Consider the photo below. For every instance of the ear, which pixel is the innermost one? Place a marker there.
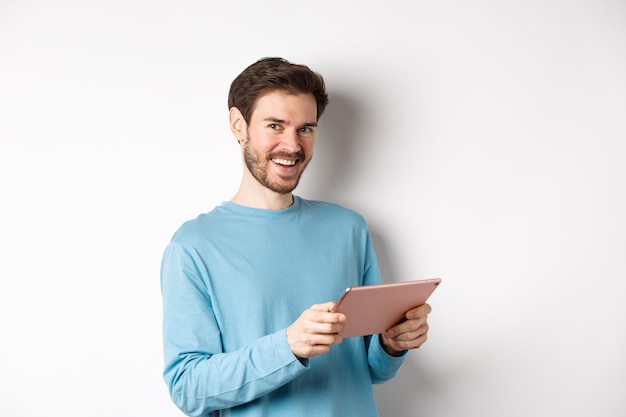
(238, 125)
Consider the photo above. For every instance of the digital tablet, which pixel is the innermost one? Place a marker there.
(372, 309)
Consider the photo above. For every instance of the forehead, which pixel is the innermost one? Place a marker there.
(295, 108)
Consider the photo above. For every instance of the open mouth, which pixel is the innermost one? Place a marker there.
(284, 162)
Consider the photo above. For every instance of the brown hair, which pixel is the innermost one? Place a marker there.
(268, 74)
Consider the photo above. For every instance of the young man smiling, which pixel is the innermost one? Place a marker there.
(277, 144)
(247, 324)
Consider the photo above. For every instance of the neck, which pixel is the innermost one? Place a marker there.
(262, 199)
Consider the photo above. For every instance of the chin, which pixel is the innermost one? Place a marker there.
(283, 188)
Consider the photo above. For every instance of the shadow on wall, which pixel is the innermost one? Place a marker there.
(340, 141)
(385, 259)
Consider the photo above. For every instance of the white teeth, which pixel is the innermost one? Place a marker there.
(284, 162)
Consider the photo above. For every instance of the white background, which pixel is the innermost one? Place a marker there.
(484, 141)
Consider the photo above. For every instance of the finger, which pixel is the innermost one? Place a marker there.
(323, 315)
(400, 345)
(408, 329)
(314, 327)
(319, 339)
(316, 345)
(316, 341)
(420, 311)
(412, 335)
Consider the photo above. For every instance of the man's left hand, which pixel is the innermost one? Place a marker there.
(410, 334)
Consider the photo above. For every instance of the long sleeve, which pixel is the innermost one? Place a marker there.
(201, 378)
(383, 366)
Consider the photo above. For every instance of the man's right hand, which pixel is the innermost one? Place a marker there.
(315, 330)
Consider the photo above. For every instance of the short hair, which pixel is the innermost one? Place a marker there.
(271, 74)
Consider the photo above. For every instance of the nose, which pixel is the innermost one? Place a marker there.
(290, 140)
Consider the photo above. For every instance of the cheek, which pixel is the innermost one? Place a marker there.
(259, 145)
(307, 147)
(264, 141)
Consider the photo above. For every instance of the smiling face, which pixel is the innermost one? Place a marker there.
(278, 142)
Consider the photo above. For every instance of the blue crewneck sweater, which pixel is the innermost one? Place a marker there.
(234, 279)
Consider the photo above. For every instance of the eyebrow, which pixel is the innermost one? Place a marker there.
(277, 120)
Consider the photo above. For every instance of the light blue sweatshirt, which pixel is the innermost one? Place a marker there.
(234, 279)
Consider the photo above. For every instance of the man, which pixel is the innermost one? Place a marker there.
(247, 324)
